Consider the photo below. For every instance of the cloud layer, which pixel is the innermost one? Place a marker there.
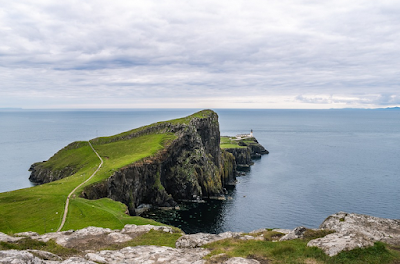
(250, 54)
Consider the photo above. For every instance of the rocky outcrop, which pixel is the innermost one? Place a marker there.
(350, 231)
(200, 239)
(244, 155)
(356, 231)
(88, 240)
(149, 254)
(242, 158)
(44, 172)
(298, 232)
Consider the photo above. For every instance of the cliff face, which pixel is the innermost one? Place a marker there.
(191, 166)
(250, 150)
(41, 174)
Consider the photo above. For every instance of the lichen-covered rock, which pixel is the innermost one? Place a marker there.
(26, 234)
(18, 257)
(239, 260)
(335, 243)
(92, 236)
(376, 228)
(129, 229)
(356, 231)
(298, 232)
(7, 238)
(200, 239)
(76, 260)
(149, 254)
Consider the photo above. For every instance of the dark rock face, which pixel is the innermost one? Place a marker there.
(244, 156)
(191, 166)
(41, 174)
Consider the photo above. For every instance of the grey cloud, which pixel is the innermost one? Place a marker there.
(145, 49)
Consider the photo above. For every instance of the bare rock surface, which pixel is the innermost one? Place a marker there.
(75, 260)
(335, 243)
(378, 229)
(239, 260)
(7, 238)
(26, 234)
(149, 254)
(356, 231)
(18, 257)
(200, 239)
(298, 232)
(88, 237)
(145, 228)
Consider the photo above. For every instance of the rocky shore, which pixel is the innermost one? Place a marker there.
(346, 231)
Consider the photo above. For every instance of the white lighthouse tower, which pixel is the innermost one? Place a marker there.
(251, 133)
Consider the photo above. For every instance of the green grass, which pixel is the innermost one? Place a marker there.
(153, 237)
(40, 208)
(229, 142)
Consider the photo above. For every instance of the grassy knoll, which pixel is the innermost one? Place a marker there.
(40, 208)
(230, 142)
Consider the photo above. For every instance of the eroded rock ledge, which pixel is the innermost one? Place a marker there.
(350, 231)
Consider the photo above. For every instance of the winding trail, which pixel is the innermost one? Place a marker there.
(70, 194)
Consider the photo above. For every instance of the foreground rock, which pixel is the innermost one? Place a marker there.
(149, 254)
(97, 237)
(200, 239)
(351, 231)
(356, 231)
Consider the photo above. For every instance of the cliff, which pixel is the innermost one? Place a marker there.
(189, 166)
(245, 150)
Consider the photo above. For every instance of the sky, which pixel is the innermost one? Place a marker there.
(293, 54)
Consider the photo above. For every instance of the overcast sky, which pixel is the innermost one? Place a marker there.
(199, 54)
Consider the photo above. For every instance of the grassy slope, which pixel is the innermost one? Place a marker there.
(229, 142)
(40, 208)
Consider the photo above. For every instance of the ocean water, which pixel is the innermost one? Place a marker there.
(320, 162)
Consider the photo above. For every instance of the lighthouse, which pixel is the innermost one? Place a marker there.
(251, 133)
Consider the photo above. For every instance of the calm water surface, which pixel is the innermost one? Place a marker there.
(320, 162)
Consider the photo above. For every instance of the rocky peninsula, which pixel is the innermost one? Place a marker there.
(192, 166)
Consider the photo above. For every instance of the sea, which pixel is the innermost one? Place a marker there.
(320, 162)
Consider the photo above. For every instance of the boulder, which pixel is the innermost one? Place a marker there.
(239, 260)
(356, 231)
(298, 232)
(378, 229)
(200, 239)
(129, 229)
(335, 243)
(149, 254)
(18, 257)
